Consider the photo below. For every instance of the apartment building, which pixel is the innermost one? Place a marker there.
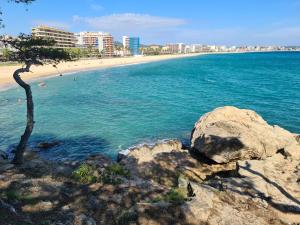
(107, 45)
(64, 39)
(134, 45)
(104, 42)
(125, 42)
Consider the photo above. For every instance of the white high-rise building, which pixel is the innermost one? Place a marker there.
(181, 48)
(126, 42)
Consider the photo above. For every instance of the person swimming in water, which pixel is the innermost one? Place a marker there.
(42, 84)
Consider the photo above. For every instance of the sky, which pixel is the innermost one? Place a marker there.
(213, 22)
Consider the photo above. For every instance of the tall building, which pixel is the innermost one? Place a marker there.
(171, 49)
(107, 45)
(104, 42)
(181, 48)
(134, 45)
(88, 39)
(64, 39)
(125, 42)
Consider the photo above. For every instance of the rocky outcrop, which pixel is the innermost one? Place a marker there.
(229, 134)
(166, 184)
(144, 153)
(165, 161)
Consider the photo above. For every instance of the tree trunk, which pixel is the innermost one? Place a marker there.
(18, 159)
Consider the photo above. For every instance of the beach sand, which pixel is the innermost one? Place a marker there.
(46, 71)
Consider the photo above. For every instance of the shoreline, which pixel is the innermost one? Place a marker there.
(66, 68)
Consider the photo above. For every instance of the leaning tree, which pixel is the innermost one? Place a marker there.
(30, 51)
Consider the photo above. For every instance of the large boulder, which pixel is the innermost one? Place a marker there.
(229, 134)
(274, 182)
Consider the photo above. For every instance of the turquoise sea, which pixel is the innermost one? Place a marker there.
(107, 110)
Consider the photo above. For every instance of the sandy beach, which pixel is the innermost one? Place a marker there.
(46, 71)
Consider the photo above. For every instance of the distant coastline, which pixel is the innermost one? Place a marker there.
(65, 68)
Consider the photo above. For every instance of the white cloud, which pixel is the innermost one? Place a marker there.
(96, 7)
(129, 21)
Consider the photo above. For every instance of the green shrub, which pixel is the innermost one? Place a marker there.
(113, 173)
(13, 195)
(85, 174)
(175, 196)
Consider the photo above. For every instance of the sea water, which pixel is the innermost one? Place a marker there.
(108, 110)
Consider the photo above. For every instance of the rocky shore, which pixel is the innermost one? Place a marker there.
(238, 170)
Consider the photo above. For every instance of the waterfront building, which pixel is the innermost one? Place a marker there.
(88, 39)
(63, 39)
(125, 42)
(107, 45)
(187, 49)
(172, 48)
(104, 42)
(134, 45)
(181, 48)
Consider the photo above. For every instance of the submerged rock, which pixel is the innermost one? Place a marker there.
(229, 134)
(46, 145)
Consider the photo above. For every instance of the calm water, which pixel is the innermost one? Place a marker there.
(110, 110)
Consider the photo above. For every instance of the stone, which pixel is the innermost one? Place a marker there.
(145, 152)
(84, 220)
(99, 161)
(159, 162)
(39, 207)
(7, 166)
(3, 155)
(229, 134)
(46, 145)
(212, 207)
(272, 182)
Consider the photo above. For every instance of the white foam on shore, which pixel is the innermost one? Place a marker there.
(150, 144)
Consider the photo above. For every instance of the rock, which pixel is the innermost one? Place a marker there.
(297, 137)
(3, 155)
(145, 152)
(157, 162)
(8, 207)
(84, 220)
(211, 207)
(46, 145)
(182, 182)
(274, 180)
(99, 161)
(30, 155)
(39, 207)
(6, 166)
(229, 134)
(271, 184)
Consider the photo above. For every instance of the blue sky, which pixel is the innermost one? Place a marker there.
(222, 22)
